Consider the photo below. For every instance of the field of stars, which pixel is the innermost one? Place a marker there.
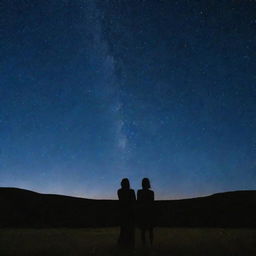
(94, 91)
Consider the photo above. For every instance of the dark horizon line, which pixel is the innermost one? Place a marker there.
(63, 195)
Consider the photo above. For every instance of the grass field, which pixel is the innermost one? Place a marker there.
(168, 241)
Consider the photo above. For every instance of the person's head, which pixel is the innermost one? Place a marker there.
(125, 184)
(146, 183)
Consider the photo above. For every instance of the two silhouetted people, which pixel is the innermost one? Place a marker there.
(142, 213)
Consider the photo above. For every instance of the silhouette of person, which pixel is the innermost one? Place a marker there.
(145, 198)
(127, 224)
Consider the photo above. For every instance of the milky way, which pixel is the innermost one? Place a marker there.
(94, 91)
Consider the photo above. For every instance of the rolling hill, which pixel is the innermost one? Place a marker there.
(23, 208)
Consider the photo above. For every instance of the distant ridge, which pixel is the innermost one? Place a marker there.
(14, 190)
(24, 208)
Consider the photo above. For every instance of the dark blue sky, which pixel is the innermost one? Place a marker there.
(94, 91)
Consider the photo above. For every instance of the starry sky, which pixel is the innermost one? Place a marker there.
(93, 91)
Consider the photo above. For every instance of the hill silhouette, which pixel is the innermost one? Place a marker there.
(24, 208)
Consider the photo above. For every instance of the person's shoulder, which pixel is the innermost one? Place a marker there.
(152, 195)
(139, 191)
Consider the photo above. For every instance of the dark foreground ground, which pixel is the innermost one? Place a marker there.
(168, 241)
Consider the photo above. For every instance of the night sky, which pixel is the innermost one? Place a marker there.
(94, 91)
